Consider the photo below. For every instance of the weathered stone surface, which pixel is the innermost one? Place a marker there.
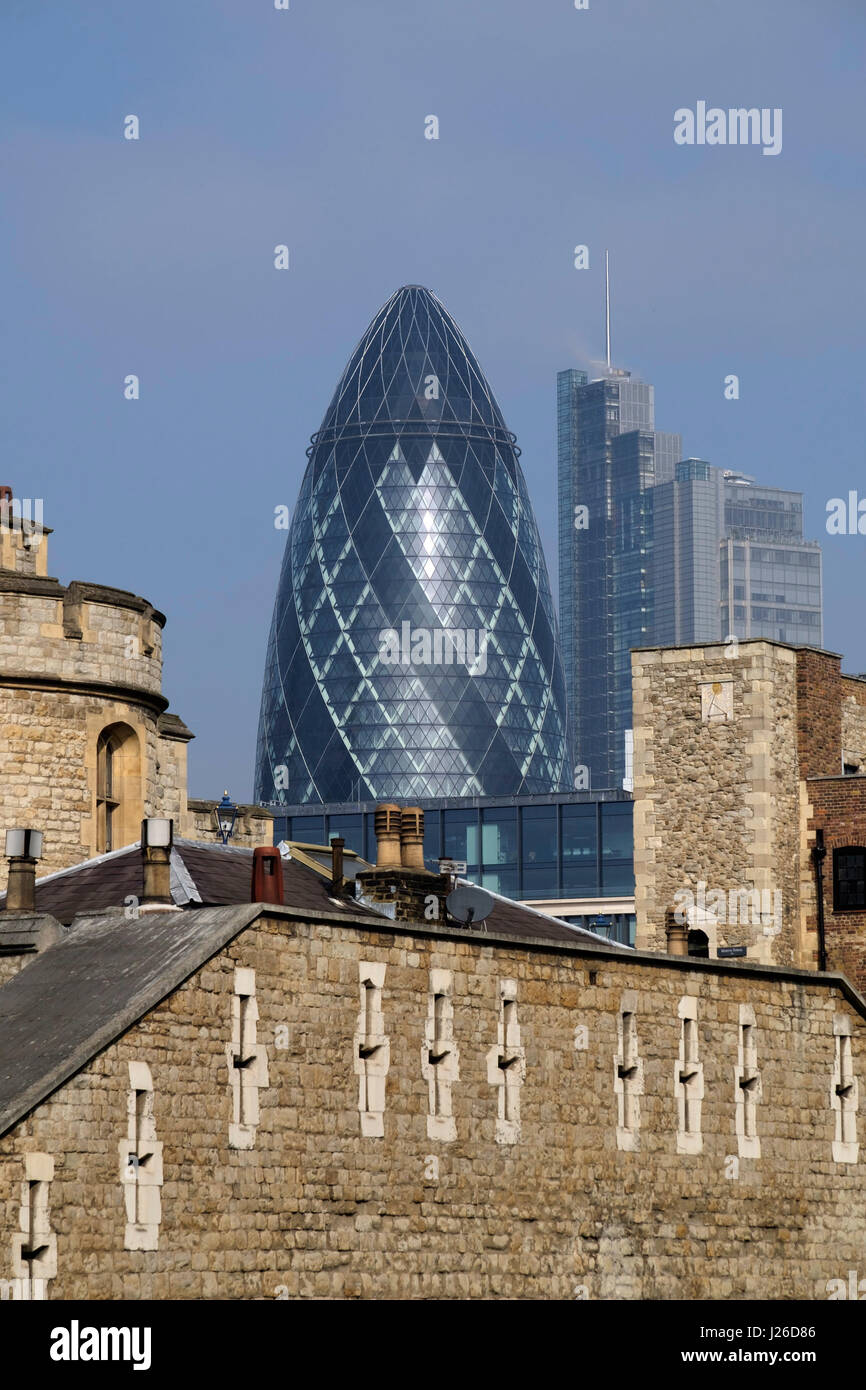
(315, 1209)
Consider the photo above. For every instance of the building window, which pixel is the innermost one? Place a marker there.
(844, 1094)
(372, 1050)
(699, 943)
(439, 1061)
(849, 879)
(107, 790)
(688, 1080)
(247, 1061)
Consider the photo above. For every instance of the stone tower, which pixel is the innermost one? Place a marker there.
(87, 748)
(742, 751)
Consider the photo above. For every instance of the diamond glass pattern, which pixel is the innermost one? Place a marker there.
(413, 518)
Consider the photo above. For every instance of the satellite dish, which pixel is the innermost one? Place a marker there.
(468, 904)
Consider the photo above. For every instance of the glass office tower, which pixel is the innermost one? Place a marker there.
(414, 648)
(609, 456)
(688, 523)
(657, 550)
(770, 575)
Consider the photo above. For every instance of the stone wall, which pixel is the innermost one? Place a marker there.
(74, 660)
(716, 792)
(854, 721)
(561, 1200)
(254, 826)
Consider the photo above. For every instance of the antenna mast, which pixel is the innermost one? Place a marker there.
(607, 304)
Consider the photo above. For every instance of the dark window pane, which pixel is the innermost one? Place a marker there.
(539, 835)
(539, 881)
(309, 830)
(849, 879)
(617, 840)
(351, 829)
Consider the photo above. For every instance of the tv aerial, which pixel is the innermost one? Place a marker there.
(468, 904)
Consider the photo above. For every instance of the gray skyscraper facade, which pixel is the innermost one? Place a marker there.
(688, 523)
(659, 550)
(771, 580)
(610, 457)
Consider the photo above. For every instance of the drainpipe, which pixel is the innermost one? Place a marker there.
(819, 854)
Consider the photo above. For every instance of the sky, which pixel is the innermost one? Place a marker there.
(306, 128)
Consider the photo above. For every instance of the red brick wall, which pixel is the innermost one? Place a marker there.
(839, 806)
(819, 713)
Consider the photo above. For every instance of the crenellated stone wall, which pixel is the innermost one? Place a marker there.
(75, 661)
(573, 1195)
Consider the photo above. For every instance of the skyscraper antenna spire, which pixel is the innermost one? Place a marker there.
(607, 304)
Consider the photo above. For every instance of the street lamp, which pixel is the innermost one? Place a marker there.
(226, 814)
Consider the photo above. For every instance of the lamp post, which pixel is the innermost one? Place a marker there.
(226, 813)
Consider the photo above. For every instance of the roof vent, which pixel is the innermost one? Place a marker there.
(267, 886)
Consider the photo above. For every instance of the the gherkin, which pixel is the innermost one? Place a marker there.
(413, 649)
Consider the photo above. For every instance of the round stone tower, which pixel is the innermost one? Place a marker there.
(86, 746)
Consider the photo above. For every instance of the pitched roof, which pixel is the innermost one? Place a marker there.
(76, 997)
(202, 874)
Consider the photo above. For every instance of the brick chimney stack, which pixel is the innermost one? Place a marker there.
(400, 878)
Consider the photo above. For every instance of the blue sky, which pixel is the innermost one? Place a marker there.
(306, 127)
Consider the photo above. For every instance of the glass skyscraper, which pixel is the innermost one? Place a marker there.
(770, 575)
(414, 649)
(609, 457)
(657, 550)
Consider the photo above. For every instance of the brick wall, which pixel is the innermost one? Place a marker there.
(838, 807)
(819, 713)
(317, 1210)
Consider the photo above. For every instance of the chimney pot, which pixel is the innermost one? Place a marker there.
(23, 850)
(386, 824)
(267, 884)
(337, 846)
(412, 837)
(157, 835)
(676, 934)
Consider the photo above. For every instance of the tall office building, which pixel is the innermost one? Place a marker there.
(688, 525)
(414, 648)
(770, 575)
(610, 456)
(657, 550)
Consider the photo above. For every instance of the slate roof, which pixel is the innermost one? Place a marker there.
(202, 875)
(77, 997)
(214, 875)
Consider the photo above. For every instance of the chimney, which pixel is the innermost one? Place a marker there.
(23, 850)
(157, 837)
(412, 837)
(337, 847)
(400, 885)
(267, 885)
(676, 934)
(386, 824)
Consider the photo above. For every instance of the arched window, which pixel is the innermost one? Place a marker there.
(118, 791)
(699, 943)
(849, 878)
